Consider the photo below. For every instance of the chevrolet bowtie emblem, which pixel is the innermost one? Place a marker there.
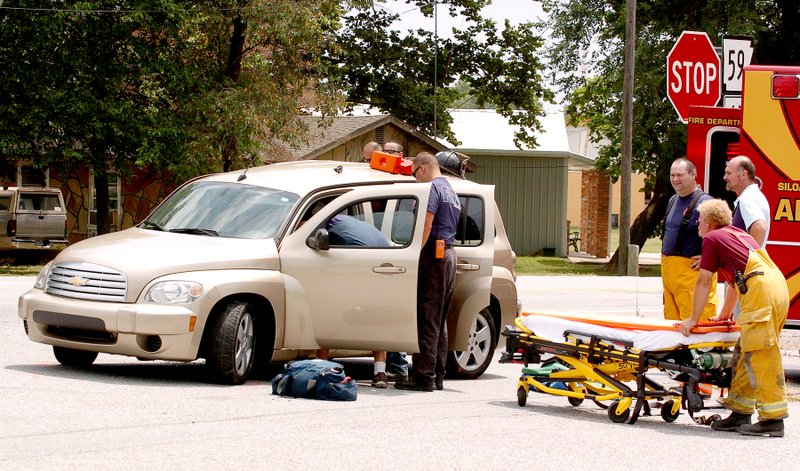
(78, 281)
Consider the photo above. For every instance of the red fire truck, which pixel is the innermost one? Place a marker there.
(767, 130)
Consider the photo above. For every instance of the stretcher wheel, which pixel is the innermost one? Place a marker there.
(575, 401)
(614, 416)
(522, 397)
(666, 411)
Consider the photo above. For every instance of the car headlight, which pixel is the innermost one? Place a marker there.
(41, 277)
(174, 292)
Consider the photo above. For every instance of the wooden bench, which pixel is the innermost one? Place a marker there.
(574, 238)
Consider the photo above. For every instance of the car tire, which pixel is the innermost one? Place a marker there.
(472, 362)
(232, 344)
(72, 357)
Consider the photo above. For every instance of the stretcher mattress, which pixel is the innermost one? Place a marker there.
(644, 334)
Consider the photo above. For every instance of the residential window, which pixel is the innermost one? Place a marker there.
(28, 175)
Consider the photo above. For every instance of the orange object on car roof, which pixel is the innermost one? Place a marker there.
(390, 163)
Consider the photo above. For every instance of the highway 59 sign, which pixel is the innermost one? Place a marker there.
(693, 73)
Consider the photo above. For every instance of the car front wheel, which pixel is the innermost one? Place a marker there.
(472, 362)
(72, 357)
(232, 347)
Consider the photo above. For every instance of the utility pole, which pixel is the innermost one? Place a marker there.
(628, 261)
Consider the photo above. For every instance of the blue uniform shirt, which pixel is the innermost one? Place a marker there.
(692, 243)
(347, 230)
(446, 209)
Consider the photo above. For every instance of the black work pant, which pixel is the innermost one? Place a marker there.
(435, 286)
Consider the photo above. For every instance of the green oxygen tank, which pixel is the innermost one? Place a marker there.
(713, 360)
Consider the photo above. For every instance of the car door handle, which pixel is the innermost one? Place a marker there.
(389, 269)
(467, 267)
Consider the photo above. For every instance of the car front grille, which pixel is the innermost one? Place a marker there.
(88, 281)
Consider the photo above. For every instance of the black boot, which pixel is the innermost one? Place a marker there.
(732, 423)
(763, 428)
(415, 385)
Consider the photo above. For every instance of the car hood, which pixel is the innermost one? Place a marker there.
(142, 255)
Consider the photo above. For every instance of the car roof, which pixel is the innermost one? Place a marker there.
(307, 176)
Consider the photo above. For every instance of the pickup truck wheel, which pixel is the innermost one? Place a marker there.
(232, 344)
(472, 362)
(72, 357)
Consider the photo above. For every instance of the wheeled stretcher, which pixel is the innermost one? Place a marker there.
(607, 360)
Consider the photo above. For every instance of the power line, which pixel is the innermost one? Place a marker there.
(114, 11)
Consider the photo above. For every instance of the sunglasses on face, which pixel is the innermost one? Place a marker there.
(392, 151)
(414, 171)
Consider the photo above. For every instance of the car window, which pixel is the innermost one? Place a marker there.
(5, 202)
(224, 209)
(38, 202)
(471, 223)
(380, 222)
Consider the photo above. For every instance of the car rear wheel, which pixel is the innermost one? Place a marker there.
(232, 344)
(472, 362)
(72, 357)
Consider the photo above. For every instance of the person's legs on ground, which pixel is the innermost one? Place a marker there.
(429, 291)
(442, 344)
(397, 366)
(766, 369)
(760, 333)
(741, 398)
(379, 378)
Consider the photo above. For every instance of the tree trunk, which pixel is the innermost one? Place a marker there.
(102, 203)
(233, 69)
(647, 221)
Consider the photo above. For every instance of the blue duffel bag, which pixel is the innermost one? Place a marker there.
(315, 379)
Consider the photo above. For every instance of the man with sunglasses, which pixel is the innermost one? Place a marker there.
(436, 277)
(394, 148)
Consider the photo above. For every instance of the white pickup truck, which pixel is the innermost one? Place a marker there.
(32, 218)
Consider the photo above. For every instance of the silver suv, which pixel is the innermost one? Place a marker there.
(242, 270)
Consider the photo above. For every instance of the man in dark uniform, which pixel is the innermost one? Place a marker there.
(436, 279)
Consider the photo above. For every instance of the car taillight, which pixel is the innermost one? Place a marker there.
(785, 86)
(11, 228)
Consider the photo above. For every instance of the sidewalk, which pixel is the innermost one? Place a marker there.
(581, 257)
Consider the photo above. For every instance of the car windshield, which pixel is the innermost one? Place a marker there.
(223, 209)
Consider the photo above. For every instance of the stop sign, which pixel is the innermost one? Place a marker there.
(693, 73)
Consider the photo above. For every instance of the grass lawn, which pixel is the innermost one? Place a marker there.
(19, 270)
(562, 266)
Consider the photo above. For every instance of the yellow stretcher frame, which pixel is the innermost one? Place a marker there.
(599, 369)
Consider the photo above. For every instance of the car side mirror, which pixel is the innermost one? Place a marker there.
(319, 240)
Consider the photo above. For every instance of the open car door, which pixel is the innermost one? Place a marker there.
(346, 290)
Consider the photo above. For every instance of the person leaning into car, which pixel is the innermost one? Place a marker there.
(436, 277)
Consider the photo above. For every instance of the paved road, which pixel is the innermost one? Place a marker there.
(125, 414)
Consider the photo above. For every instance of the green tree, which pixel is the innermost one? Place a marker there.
(587, 54)
(83, 85)
(191, 86)
(398, 71)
